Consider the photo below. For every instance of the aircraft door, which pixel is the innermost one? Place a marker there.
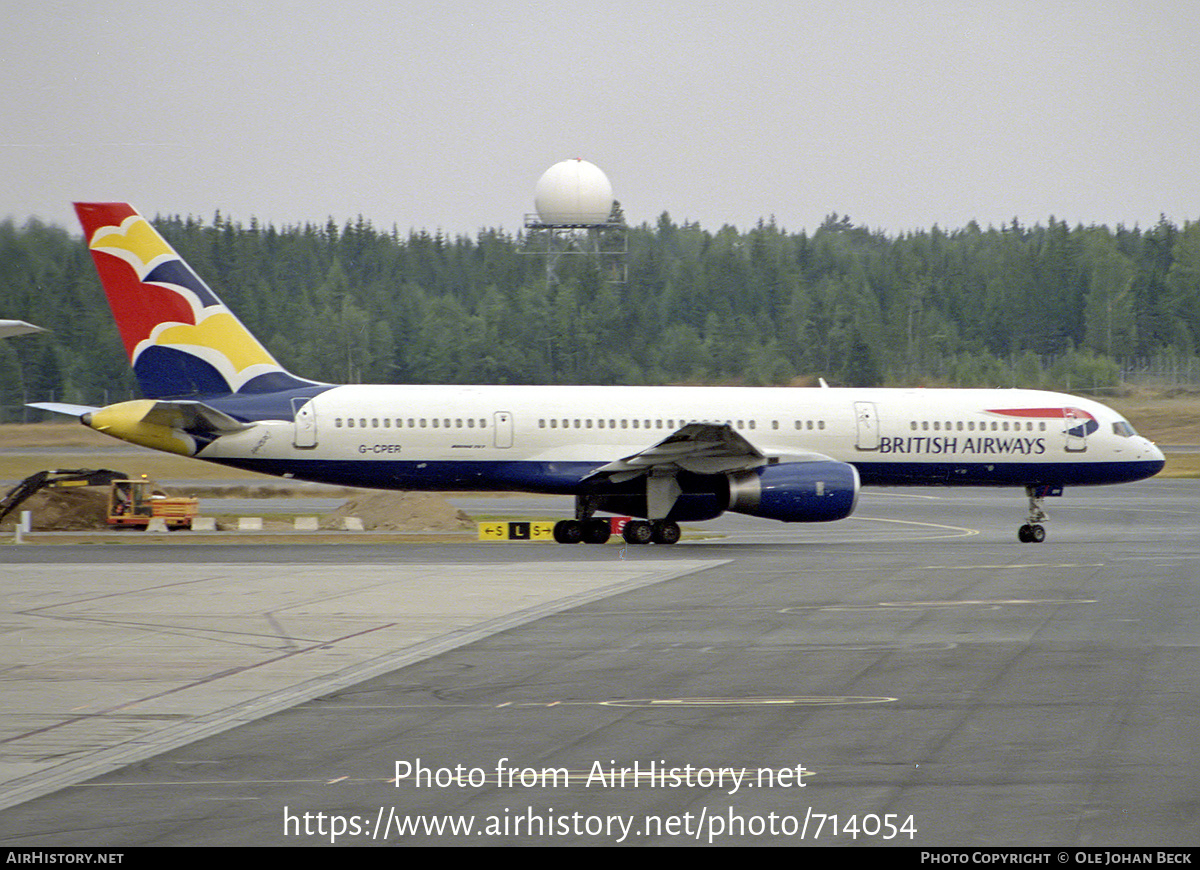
(305, 433)
(867, 424)
(1076, 430)
(503, 429)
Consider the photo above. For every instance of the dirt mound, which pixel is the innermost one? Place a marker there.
(400, 512)
(63, 510)
(82, 508)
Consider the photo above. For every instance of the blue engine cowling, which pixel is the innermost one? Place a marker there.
(796, 492)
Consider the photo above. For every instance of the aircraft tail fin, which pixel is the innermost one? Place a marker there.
(181, 339)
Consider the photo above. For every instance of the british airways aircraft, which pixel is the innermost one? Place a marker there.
(662, 454)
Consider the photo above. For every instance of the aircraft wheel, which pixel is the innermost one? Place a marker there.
(1031, 534)
(637, 532)
(664, 532)
(596, 531)
(568, 531)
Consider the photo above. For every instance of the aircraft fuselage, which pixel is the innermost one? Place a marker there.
(549, 438)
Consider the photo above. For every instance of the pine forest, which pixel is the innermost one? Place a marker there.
(1084, 309)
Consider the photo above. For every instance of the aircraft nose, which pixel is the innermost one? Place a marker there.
(1154, 455)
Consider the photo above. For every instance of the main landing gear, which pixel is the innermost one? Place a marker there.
(590, 530)
(587, 531)
(651, 532)
(598, 531)
(1032, 532)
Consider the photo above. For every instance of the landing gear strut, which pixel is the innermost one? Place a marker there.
(1032, 532)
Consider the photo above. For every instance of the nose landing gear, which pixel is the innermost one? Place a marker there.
(1033, 532)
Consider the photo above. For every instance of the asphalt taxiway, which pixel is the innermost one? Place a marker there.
(910, 676)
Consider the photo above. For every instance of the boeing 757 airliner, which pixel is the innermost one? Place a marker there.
(662, 454)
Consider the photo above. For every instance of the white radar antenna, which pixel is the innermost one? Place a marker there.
(577, 215)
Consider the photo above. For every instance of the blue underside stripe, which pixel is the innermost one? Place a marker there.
(565, 477)
(1004, 473)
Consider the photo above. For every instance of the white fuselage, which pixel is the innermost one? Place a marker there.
(892, 436)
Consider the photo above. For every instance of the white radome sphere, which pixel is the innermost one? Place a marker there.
(573, 192)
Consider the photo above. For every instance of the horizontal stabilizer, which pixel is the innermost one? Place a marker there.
(194, 417)
(63, 408)
(9, 328)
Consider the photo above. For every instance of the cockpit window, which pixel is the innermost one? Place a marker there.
(1123, 429)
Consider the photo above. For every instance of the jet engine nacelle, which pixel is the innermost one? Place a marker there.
(796, 492)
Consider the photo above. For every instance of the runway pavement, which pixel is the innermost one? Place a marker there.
(911, 676)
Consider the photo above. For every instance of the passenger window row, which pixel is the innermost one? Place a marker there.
(970, 426)
(551, 423)
(669, 424)
(410, 423)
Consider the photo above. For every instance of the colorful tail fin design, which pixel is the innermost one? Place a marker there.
(181, 339)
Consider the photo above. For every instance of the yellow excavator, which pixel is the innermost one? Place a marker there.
(132, 502)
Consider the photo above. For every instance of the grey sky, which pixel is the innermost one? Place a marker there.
(900, 114)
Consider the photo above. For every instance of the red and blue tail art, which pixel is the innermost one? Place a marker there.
(181, 339)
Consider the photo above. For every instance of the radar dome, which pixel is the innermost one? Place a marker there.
(573, 192)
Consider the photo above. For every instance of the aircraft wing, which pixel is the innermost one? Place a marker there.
(701, 448)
